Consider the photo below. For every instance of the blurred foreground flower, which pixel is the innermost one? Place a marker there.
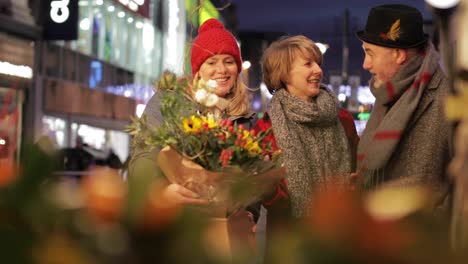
(395, 203)
(105, 195)
(385, 226)
(134, 223)
(159, 212)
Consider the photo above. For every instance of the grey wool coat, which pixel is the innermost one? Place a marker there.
(424, 152)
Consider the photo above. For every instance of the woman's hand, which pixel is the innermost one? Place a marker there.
(181, 195)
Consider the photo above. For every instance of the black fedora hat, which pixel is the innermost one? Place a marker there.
(394, 26)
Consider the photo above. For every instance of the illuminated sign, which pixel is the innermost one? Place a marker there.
(61, 23)
(16, 70)
(59, 11)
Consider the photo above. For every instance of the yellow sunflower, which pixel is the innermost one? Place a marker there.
(192, 124)
(253, 148)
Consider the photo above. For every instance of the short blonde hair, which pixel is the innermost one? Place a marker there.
(278, 58)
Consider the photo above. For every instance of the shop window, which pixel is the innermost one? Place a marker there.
(85, 27)
(108, 44)
(111, 33)
(132, 44)
(55, 128)
(119, 143)
(92, 136)
(96, 33)
(100, 142)
(121, 36)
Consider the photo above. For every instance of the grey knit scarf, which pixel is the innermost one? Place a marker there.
(314, 143)
(395, 103)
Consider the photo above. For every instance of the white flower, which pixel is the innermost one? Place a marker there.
(204, 95)
(201, 95)
(211, 85)
(212, 100)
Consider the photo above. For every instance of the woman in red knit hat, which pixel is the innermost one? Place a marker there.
(215, 55)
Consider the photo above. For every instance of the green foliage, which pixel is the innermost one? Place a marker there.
(175, 104)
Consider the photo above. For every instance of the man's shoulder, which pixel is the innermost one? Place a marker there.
(439, 82)
(436, 90)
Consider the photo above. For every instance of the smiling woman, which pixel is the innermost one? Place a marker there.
(215, 58)
(221, 68)
(304, 118)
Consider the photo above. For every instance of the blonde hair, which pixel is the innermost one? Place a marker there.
(278, 58)
(238, 102)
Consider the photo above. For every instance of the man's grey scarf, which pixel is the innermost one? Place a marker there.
(395, 103)
(314, 143)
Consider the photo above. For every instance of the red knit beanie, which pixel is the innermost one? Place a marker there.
(213, 39)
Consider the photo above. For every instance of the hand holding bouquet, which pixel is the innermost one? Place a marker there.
(207, 153)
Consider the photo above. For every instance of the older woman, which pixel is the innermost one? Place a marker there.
(304, 118)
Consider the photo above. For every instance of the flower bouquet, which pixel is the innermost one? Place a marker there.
(205, 151)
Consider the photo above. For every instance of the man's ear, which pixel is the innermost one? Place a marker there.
(401, 56)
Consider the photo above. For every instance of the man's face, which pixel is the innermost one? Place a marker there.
(381, 62)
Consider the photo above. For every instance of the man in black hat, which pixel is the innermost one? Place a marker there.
(406, 141)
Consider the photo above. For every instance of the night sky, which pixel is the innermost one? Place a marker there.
(322, 21)
(312, 17)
